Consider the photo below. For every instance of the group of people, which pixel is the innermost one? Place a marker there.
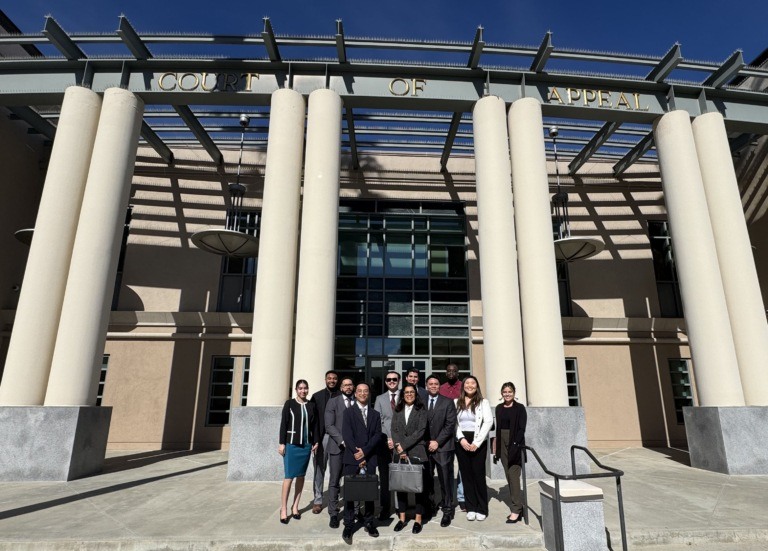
(424, 426)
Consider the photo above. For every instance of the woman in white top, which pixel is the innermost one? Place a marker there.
(474, 422)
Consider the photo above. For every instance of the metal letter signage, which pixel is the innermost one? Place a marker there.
(403, 87)
(606, 99)
(207, 82)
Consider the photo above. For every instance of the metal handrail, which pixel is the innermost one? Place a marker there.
(612, 472)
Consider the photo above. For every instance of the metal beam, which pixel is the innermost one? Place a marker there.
(131, 38)
(352, 138)
(667, 64)
(197, 129)
(452, 130)
(268, 36)
(156, 142)
(477, 49)
(33, 119)
(59, 38)
(542, 55)
(729, 69)
(341, 48)
(600, 137)
(633, 154)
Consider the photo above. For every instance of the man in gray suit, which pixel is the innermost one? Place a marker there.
(334, 415)
(441, 430)
(385, 405)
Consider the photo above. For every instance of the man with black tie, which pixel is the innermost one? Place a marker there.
(334, 423)
(441, 430)
(361, 428)
(385, 405)
(321, 399)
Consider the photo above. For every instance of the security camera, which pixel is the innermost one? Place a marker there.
(244, 120)
(553, 131)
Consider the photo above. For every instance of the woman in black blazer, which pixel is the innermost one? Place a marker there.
(511, 420)
(409, 435)
(298, 441)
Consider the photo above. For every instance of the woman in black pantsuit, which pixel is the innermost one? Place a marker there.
(474, 420)
(511, 419)
(409, 436)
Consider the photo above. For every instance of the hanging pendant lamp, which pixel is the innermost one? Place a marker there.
(568, 248)
(231, 240)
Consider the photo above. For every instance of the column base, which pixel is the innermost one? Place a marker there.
(583, 521)
(52, 443)
(253, 445)
(729, 440)
(551, 432)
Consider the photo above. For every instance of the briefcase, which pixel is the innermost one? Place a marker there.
(406, 477)
(361, 487)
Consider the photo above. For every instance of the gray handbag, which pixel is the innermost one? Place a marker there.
(406, 477)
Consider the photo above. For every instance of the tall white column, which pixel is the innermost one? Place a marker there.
(316, 295)
(706, 315)
(502, 331)
(37, 316)
(539, 300)
(275, 293)
(734, 254)
(90, 284)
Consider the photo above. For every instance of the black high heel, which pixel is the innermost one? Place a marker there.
(297, 516)
(284, 520)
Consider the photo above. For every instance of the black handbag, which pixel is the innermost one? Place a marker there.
(361, 487)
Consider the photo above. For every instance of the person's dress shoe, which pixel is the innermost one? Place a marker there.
(372, 530)
(471, 515)
(346, 535)
(480, 516)
(513, 521)
(399, 526)
(416, 528)
(446, 520)
(316, 508)
(462, 506)
(284, 520)
(334, 521)
(297, 516)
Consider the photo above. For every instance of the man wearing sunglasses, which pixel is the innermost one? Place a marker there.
(385, 405)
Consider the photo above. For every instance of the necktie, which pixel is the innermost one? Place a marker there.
(365, 420)
(392, 401)
(349, 402)
(431, 403)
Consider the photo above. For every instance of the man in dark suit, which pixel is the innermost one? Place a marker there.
(361, 428)
(441, 428)
(385, 405)
(320, 399)
(412, 376)
(334, 423)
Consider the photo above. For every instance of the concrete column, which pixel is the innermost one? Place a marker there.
(734, 254)
(542, 327)
(90, 285)
(706, 315)
(37, 316)
(502, 331)
(316, 295)
(274, 297)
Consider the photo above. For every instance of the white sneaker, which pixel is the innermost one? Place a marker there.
(480, 516)
(471, 516)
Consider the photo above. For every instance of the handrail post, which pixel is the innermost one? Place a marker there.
(559, 536)
(525, 488)
(621, 513)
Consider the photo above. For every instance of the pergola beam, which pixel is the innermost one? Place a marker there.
(61, 40)
(667, 64)
(156, 142)
(199, 132)
(270, 43)
(477, 49)
(634, 154)
(542, 55)
(131, 39)
(727, 71)
(600, 137)
(33, 119)
(341, 48)
(449, 139)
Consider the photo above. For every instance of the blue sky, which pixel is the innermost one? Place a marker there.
(709, 30)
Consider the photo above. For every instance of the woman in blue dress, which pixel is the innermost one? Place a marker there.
(298, 441)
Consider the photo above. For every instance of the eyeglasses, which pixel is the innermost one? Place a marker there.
(391, 380)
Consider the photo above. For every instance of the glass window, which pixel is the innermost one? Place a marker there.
(682, 391)
(667, 286)
(220, 391)
(238, 275)
(353, 253)
(572, 380)
(102, 378)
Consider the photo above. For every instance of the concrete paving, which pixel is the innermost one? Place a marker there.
(181, 500)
